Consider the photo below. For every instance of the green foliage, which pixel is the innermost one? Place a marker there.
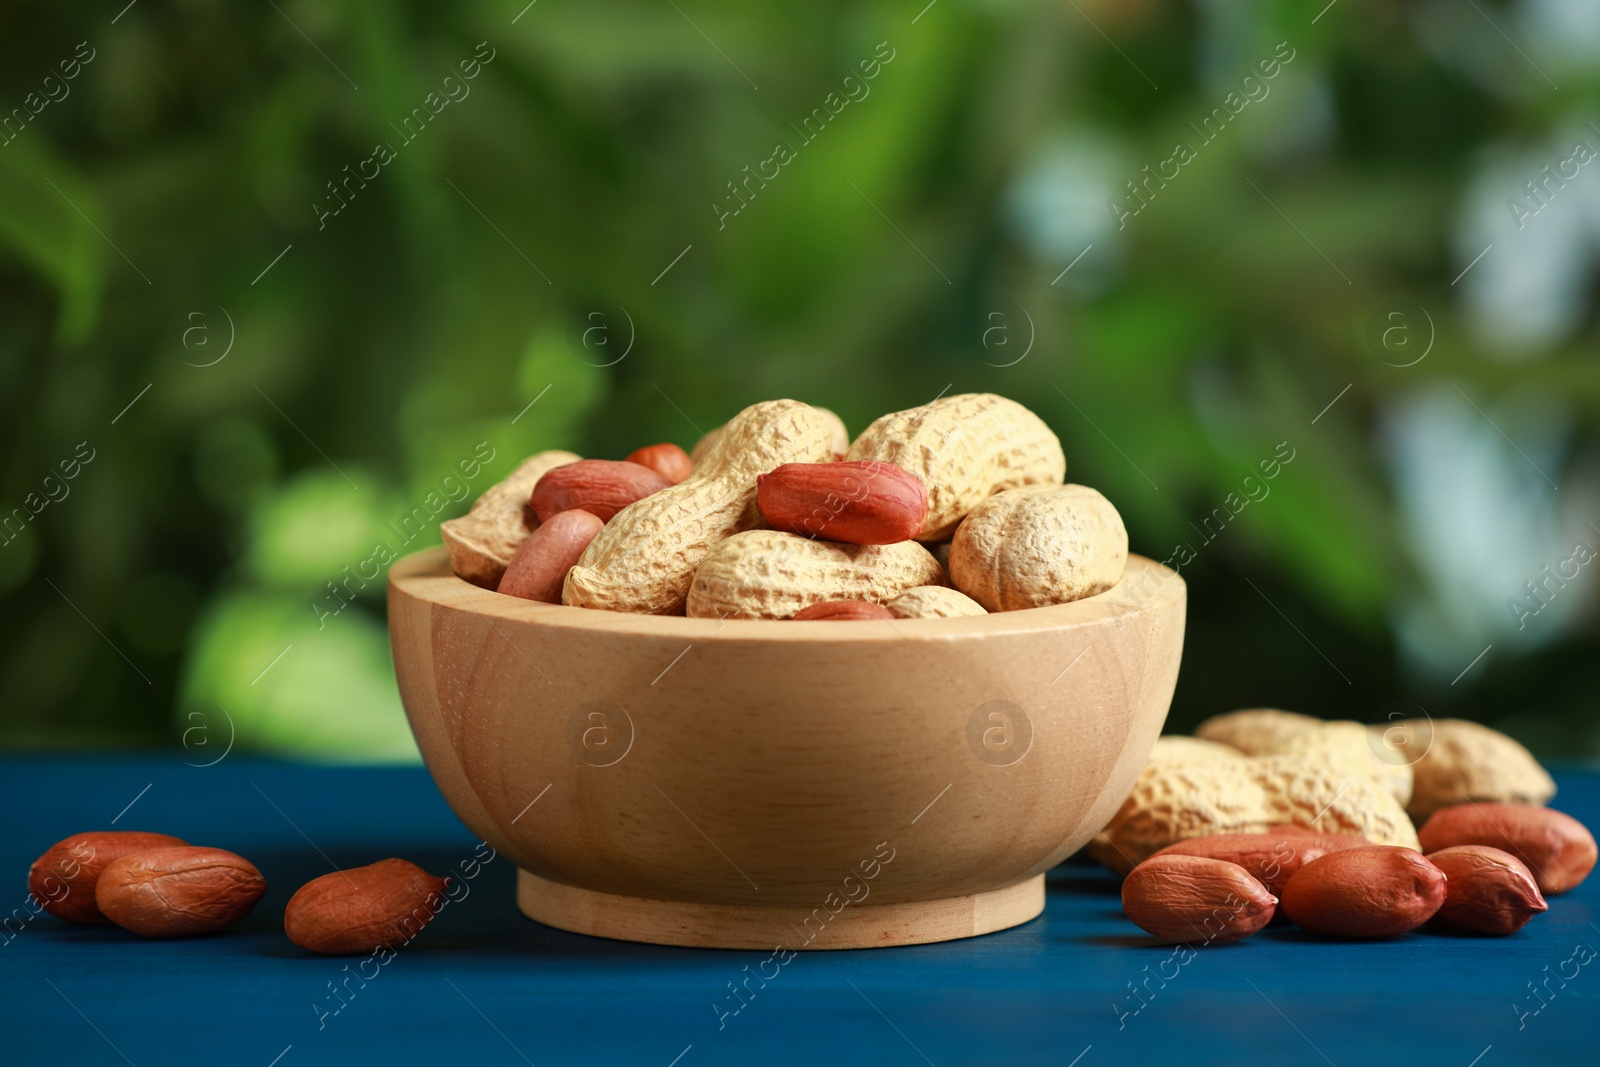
(552, 260)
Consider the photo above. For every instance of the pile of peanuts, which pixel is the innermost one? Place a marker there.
(158, 885)
(1268, 814)
(779, 515)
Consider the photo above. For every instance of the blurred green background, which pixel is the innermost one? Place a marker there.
(269, 272)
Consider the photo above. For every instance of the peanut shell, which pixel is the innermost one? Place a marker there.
(646, 557)
(1038, 545)
(1461, 761)
(766, 574)
(482, 542)
(933, 602)
(965, 448)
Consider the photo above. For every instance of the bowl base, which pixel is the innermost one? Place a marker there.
(691, 925)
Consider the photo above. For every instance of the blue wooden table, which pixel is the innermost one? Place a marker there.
(485, 986)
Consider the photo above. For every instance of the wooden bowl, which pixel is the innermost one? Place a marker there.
(760, 783)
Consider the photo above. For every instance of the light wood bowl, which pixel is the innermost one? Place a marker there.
(762, 784)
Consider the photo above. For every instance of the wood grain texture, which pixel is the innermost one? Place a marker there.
(868, 925)
(754, 764)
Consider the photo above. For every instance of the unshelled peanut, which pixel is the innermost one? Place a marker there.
(1456, 761)
(645, 558)
(482, 542)
(1038, 545)
(964, 449)
(838, 438)
(933, 602)
(1197, 791)
(766, 574)
(1256, 731)
(1433, 763)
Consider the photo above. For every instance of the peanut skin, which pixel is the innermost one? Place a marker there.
(482, 541)
(964, 449)
(1272, 858)
(381, 905)
(540, 566)
(842, 611)
(666, 459)
(178, 891)
(1558, 849)
(1376, 891)
(1182, 898)
(856, 503)
(646, 557)
(602, 487)
(63, 879)
(1490, 892)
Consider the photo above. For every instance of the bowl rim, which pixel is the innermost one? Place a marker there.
(426, 576)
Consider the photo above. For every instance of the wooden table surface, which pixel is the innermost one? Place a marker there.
(485, 986)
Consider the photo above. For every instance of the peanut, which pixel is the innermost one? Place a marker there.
(842, 611)
(1256, 731)
(1437, 762)
(1348, 746)
(540, 566)
(1038, 545)
(1377, 891)
(1272, 857)
(1461, 761)
(964, 448)
(482, 541)
(1191, 788)
(381, 905)
(1169, 749)
(838, 438)
(1196, 899)
(1490, 891)
(1558, 849)
(645, 558)
(765, 574)
(933, 602)
(666, 459)
(1176, 748)
(178, 891)
(601, 487)
(703, 447)
(62, 880)
(857, 503)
